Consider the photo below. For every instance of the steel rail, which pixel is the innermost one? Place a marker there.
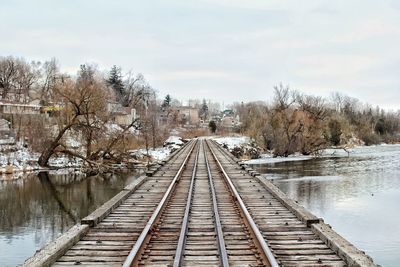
(185, 223)
(267, 253)
(217, 221)
(135, 252)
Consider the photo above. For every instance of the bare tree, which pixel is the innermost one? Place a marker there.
(283, 97)
(7, 75)
(298, 122)
(81, 99)
(50, 75)
(137, 90)
(338, 101)
(314, 106)
(17, 77)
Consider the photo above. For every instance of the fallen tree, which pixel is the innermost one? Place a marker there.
(84, 113)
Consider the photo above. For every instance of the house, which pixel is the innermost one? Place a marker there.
(7, 136)
(121, 115)
(4, 125)
(19, 108)
(188, 115)
(228, 112)
(229, 119)
(125, 116)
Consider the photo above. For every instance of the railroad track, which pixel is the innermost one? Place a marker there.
(291, 240)
(203, 224)
(200, 209)
(109, 242)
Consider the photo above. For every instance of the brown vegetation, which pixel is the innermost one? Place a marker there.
(107, 115)
(78, 109)
(296, 122)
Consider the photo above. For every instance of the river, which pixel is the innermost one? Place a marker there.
(37, 208)
(358, 195)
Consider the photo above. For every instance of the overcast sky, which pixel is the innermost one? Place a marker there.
(225, 50)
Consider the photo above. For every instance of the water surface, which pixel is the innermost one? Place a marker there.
(37, 208)
(358, 195)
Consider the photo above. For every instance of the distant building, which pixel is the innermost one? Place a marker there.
(4, 125)
(7, 136)
(217, 118)
(121, 115)
(228, 112)
(163, 118)
(229, 119)
(188, 115)
(18, 108)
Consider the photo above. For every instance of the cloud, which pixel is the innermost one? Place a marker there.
(194, 74)
(228, 50)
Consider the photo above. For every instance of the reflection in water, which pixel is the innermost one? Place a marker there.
(39, 207)
(357, 195)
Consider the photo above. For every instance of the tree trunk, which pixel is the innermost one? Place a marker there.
(153, 130)
(89, 144)
(115, 139)
(49, 151)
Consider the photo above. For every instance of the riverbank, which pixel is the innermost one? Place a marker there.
(245, 149)
(18, 159)
(22, 160)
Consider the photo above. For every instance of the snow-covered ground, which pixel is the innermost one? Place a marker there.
(243, 141)
(22, 159)
(232, 141)
(240, 146)
(268, 158)
(329, 152)
(161, 153)
(173, 142)
(25, 160)
(157, 154)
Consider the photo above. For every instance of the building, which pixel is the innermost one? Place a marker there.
(125, 116)
(7, 135)
(121, 115)
(19, 108)
(229, 119)
(188, 115)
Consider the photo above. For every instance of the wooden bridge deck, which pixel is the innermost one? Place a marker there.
(201, 208)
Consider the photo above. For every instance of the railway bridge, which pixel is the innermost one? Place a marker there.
(201, 207)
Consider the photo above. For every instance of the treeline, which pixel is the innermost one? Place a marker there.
(296, 122)
(83, 109)
(79, 108)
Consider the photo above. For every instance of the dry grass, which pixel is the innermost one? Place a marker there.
(195, 132)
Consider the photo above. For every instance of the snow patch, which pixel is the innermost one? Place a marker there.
(113, 128)
(174, 140)
(20, 159)
(269, 159)
(232, 142)
(160, 153)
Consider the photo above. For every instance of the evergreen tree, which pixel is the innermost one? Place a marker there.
(204, 110)
(167, 102)
(115, 81)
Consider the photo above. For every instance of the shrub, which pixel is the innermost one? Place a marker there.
(213, 126)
